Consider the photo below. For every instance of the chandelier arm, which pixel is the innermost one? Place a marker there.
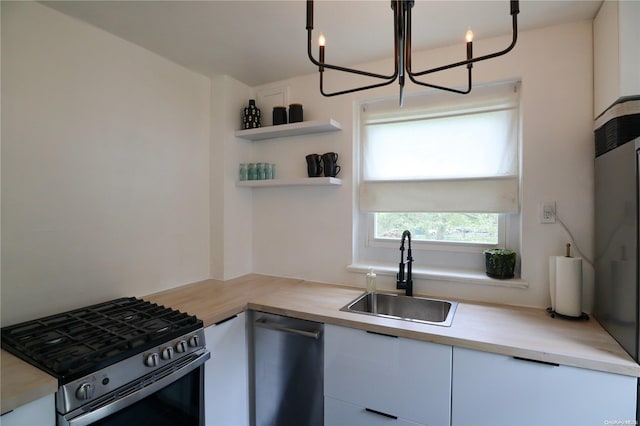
(473, 60)
(358, 89)
(448, 89)
(344, 69)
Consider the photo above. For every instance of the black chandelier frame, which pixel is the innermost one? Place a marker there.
(402, 53)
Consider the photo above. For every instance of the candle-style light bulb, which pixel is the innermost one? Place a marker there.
(321, 40)
(321, 43)
(469, 36)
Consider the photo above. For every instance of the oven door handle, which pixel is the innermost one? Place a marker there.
(112, 407)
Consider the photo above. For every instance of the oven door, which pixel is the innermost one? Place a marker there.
(173, 395)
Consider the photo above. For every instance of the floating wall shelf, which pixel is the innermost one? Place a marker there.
(286, 130)
(318, 181)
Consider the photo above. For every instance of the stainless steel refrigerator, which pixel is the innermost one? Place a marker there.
(617, 183)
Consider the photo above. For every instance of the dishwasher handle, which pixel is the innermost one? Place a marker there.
(263, 323)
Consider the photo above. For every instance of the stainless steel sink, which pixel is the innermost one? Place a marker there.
(417, 309)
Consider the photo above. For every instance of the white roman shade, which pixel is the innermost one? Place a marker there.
(442, 153)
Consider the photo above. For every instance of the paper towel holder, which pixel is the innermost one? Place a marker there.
(553, 314)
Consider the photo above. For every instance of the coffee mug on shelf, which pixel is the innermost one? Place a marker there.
(330, 166)
(314, 168)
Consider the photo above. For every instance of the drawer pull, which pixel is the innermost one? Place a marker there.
(553, 364)
(380, 413)
(382, 334)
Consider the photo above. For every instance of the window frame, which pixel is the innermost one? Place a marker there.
(428, 255)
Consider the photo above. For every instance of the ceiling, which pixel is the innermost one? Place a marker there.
(262, 41)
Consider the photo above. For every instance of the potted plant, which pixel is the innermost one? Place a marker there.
(500, 263)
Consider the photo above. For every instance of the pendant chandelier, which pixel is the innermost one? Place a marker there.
(402, 55)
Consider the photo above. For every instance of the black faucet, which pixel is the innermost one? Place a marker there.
(404, 282)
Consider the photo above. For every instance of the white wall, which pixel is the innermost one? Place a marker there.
(105, 166)
(119, 168)
(307, 232)
(231, 207)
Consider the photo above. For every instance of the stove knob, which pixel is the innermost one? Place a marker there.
(167, 353)
(181, 346)
(151, 360)
(85, 391)
(194, 341)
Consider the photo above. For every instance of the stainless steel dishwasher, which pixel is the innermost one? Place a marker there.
(288, 371)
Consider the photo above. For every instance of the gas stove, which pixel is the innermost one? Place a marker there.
(105, 351)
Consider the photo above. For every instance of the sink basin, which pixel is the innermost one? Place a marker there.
(417, 309)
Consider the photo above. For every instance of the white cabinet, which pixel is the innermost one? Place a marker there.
(340, 413)
(41, 412)
(392, 376)
(491, 389)
(616, 55)
(226, 374)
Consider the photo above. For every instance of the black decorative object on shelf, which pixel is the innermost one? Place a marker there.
(295, 113)
(279, 115)
(251, 116)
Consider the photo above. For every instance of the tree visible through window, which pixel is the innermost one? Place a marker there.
(479, 228)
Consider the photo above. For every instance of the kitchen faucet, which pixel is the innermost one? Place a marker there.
(405, 282)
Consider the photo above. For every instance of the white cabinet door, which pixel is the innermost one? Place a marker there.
(41, 412)
(340, 413)
(616, 56)
(490, 389)
(406, 378)
(226, 374)
(606, 57)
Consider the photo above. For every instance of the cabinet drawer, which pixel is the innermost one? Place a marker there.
(340, 413)
(407, 378)
(491, 389)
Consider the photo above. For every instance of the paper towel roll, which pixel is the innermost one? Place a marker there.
(552, 281)
(568, 286)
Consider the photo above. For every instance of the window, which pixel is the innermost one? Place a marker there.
(446, 167)
(475, 228)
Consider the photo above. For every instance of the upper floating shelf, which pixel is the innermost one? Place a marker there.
(293, 129)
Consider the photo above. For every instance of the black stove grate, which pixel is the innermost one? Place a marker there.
(75, 343)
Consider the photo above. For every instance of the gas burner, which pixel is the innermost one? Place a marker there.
(56, 340)
(156, 325)
(128, 316)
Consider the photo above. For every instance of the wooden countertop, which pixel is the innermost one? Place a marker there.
(22, 383)
(513, 331)
(507, 330)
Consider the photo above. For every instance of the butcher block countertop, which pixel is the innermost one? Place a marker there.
(513, 331)
(22, 383)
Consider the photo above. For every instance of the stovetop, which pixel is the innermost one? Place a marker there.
(78, 342)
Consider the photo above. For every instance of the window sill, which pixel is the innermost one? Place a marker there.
(464, 276)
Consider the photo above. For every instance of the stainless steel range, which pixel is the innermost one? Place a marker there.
(122, 362)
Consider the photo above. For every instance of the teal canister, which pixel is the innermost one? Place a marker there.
(260, 171)
(251, 171)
